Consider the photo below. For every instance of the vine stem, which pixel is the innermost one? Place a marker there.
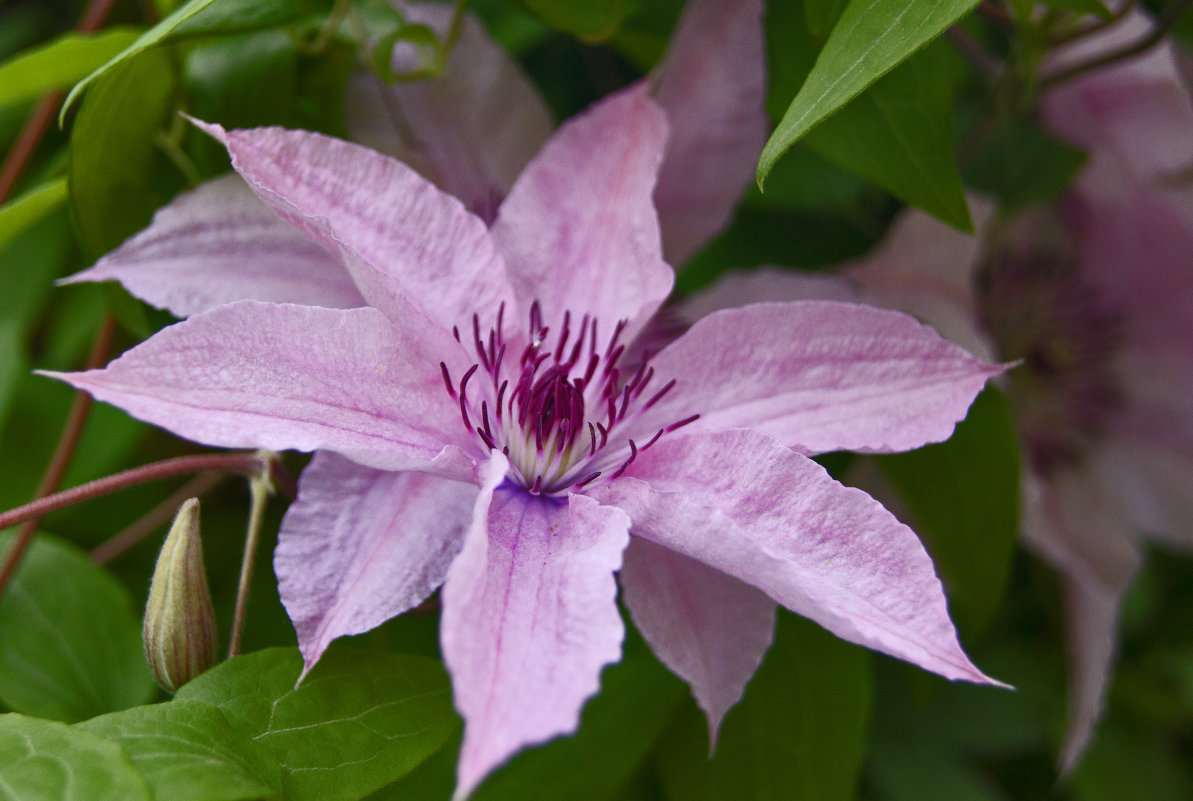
(246, 463)
(260, 490)
(38, 123)
(1164, 23)
(68, 440)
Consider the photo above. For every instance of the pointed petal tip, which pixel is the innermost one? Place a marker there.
(212, 129)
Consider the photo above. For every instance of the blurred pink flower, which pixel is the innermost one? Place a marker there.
(1095, 295)
(468, 373)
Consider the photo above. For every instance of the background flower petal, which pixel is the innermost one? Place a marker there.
(712, 84)
(529, 619)
(262, 375)
(818, 375)
(470, 130)
(216, 244)
(361, 545)
(579, 230)
(412, 243)
(706, 626)
(744, 504)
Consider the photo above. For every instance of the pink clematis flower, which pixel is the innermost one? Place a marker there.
(1096, 296)
(470, 131)
(485, 420)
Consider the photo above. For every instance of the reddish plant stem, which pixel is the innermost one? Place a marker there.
(249, 464)
(161, 514)
(67, 441)
(1164, 23)
(38, 123)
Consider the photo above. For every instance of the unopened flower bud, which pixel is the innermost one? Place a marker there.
(179, 632)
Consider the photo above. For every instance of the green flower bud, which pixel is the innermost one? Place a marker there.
(179, 632)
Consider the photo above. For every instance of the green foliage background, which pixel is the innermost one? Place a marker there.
(823, 720)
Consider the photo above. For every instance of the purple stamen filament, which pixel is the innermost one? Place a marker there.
(555, 397)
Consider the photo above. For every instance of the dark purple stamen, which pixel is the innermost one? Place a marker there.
(682, 423)
(543, 407)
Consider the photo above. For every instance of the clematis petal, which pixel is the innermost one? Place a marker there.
(471, 130)
(529, 618)
(708, 627)
(579, 230)
(712, 84)
(261, 375)
(403, 240)
(360, 546)
(1078, 526)
(741, 502)
(820, 376)
(219, 243)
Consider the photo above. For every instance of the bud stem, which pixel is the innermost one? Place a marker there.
(260, 490)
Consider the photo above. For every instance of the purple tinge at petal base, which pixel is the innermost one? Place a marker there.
(709, 628)
(820, 376)
(218, 243)
(579, 231)
(741, 502)
(263, 375)
(529, 618)
(361, 546)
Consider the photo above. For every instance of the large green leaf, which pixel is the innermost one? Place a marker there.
(118, 176)
(71, 647)
(41, 760)
(195, 18)
(870, 39)
(188, 752)
(59, 64)
(359, 721)
(618, 728)
(22, 212)
(1020, 165)
(899, 134)
(798, 733)
(963, 496)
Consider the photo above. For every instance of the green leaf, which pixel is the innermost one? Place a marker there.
(870, 39)
(899, 134)
(798, 733)
(591, 20)
(1020, 165)
(245, 80)
(359, 721)
(59, 64)
(192, 19)
(922, 772)
(963, 496)
(1131, 763)
(22, 212)
(118, 176)
(72, 646)
(188, 752)
(821, 15)
(41, 760)
(618, 728)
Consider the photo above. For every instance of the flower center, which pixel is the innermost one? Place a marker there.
(561, 412)
(1038, 308)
